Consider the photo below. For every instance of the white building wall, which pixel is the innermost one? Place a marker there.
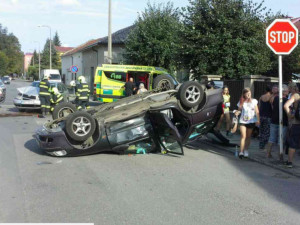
(67, 62)
(87, 62)
(93, 58)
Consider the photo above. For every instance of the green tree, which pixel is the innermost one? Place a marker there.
(154, 37)
(10, 46)
(45, 56)
(35, 58)
(33, 71)
(224, 37)
(3, 63)
(56, 40)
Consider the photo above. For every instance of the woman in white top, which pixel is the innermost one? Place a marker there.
(249, 118)
(142, 88)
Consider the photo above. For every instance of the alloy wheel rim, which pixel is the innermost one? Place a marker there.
(81, 126)
(192, 94)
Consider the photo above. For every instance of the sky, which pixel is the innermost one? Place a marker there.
(78, 21)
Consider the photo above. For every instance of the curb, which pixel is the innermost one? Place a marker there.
(254, 159)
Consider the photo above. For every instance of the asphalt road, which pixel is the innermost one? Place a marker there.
(11, 93)
(206, 186)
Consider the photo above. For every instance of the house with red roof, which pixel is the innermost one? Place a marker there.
(296, 21)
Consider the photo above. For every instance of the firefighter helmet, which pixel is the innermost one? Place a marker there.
(73, 83)
(81, 79)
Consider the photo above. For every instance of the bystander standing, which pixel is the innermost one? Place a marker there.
(226, 101)
(142, 89)
(248, 109)
(274, 138)
(294, 131)
(129, 87)
(265, 112)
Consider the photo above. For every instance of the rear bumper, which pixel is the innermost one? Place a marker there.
(52, 141)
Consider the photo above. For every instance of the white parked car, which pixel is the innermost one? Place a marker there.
(2, 92)
(28, 97)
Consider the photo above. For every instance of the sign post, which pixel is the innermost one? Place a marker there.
(282, 38)
(74, 69)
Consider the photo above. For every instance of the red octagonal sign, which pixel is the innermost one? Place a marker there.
(282, 36)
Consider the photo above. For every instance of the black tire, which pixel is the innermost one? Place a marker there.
(84, 132)
(191, 94)
(63, 110)
(163, 82)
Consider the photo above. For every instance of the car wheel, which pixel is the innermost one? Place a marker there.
(63, 110)
(163, 82)
(80, 126)
(191, 94)
(22, 110)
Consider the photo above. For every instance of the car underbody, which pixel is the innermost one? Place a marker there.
(151, 121)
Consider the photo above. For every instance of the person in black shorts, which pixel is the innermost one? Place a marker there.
(294, 132)
(249, 118)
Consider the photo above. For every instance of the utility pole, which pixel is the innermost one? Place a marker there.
(109, 33)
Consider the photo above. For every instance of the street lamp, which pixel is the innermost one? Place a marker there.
(109, 33)
(50, 43)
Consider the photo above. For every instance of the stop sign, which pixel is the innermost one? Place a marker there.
(282, 36)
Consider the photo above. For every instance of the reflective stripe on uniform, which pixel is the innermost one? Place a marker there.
(44, 93)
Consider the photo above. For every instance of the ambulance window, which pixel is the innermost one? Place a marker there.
(119, 76)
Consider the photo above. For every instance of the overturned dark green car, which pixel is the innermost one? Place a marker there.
(152, 121)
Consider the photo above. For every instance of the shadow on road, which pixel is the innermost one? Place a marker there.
(32, 146)
(271, 182)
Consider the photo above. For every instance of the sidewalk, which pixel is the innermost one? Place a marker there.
(259, 155)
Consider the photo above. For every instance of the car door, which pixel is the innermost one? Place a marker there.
(166, 133)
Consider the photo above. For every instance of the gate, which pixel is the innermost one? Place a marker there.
(235, 90)
(260, 88)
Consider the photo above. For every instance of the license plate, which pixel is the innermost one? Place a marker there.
(28, 102)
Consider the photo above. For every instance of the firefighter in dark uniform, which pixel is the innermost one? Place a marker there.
(44, 95)
(82, 94)
(56, 98)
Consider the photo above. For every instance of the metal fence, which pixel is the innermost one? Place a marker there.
(235, 90)
(260, 88)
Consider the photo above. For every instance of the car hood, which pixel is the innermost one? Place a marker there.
(31, 91)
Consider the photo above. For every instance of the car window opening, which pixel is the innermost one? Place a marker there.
(178, 121)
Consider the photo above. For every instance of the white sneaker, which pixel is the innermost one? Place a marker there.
(246, 153)
(241, 155)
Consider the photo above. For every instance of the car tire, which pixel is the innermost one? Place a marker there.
(84, 124)
(191, 94)
(164, 82)
(63, 110)
(22, 110)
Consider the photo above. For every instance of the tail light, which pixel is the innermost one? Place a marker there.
(95, 86)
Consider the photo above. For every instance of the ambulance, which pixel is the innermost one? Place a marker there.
(110, 79)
